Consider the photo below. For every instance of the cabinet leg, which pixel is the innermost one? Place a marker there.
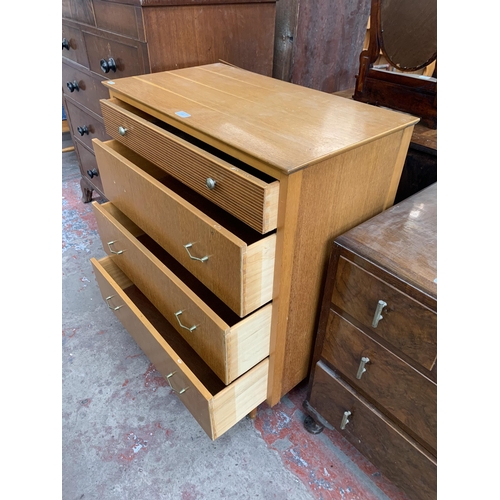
(86, 191)
(253, 413)
(312, 426)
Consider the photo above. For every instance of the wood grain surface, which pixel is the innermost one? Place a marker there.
(407, 324)
(403, 392)
(240, 264)
(242, 194)
(375, 436)
(216, 409)
(213, 333)
(255, 118)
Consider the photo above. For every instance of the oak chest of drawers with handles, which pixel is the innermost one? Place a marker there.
(223, 202)
(104, 39)
(375, 361)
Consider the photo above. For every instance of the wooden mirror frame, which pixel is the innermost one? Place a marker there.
(401, 91)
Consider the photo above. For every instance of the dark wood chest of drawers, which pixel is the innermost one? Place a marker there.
(374, 364)
(103, 39)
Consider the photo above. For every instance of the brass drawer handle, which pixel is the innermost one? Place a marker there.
(192, 328)
(202, 259)
(113, 251)
(362, 368)
(345, 419)
(210, 183)
(122, 130)
(170, 384)
(378, 313)
(111, 307)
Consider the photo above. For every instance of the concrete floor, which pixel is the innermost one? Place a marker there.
(127, 436)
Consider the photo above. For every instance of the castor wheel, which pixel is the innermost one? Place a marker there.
(312, 426)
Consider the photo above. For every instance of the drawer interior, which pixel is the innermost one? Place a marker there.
(220, 216)
(195, 363)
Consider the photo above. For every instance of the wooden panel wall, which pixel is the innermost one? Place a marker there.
(318, 42)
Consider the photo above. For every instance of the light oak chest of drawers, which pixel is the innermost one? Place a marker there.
(375, 362)
(226, 190)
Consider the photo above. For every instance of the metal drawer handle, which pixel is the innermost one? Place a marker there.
(362, 368)
(378, 313)
(345, 419)
(170, 384)
(122, 130)
(210, 183)
(111, 307)
(177, 314)
(202, 259)
(113, 251)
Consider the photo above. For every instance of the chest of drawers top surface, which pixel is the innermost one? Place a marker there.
(402, 239)
(256, 118)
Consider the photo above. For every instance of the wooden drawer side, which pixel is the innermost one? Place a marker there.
(248, 198)
(400, 458)
(236, 401)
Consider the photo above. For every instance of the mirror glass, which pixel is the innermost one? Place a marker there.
(409, 32)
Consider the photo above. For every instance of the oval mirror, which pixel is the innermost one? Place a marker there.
(408, 36)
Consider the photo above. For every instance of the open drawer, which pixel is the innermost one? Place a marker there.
(233, 260)
(228, 344)
(243, 191)
(216, 407)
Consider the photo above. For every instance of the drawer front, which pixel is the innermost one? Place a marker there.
(119, 18)
(404, 392)
(88, 166)
(128, 56)
(84, 125)
(73, 45)
(405, 323)
(215, 411)
(250, 199)
(387, 447)
(88, 89)
(78, 10)
(239, 274)
(228, 349)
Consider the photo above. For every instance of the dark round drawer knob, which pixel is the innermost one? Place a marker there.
(108, 65)
(83, 130)
(65, 43)
(93, 173)
(72, 86)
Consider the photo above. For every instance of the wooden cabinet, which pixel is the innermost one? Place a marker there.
(374, 375)
(318, 42)
(103, 39)
(226, 189)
